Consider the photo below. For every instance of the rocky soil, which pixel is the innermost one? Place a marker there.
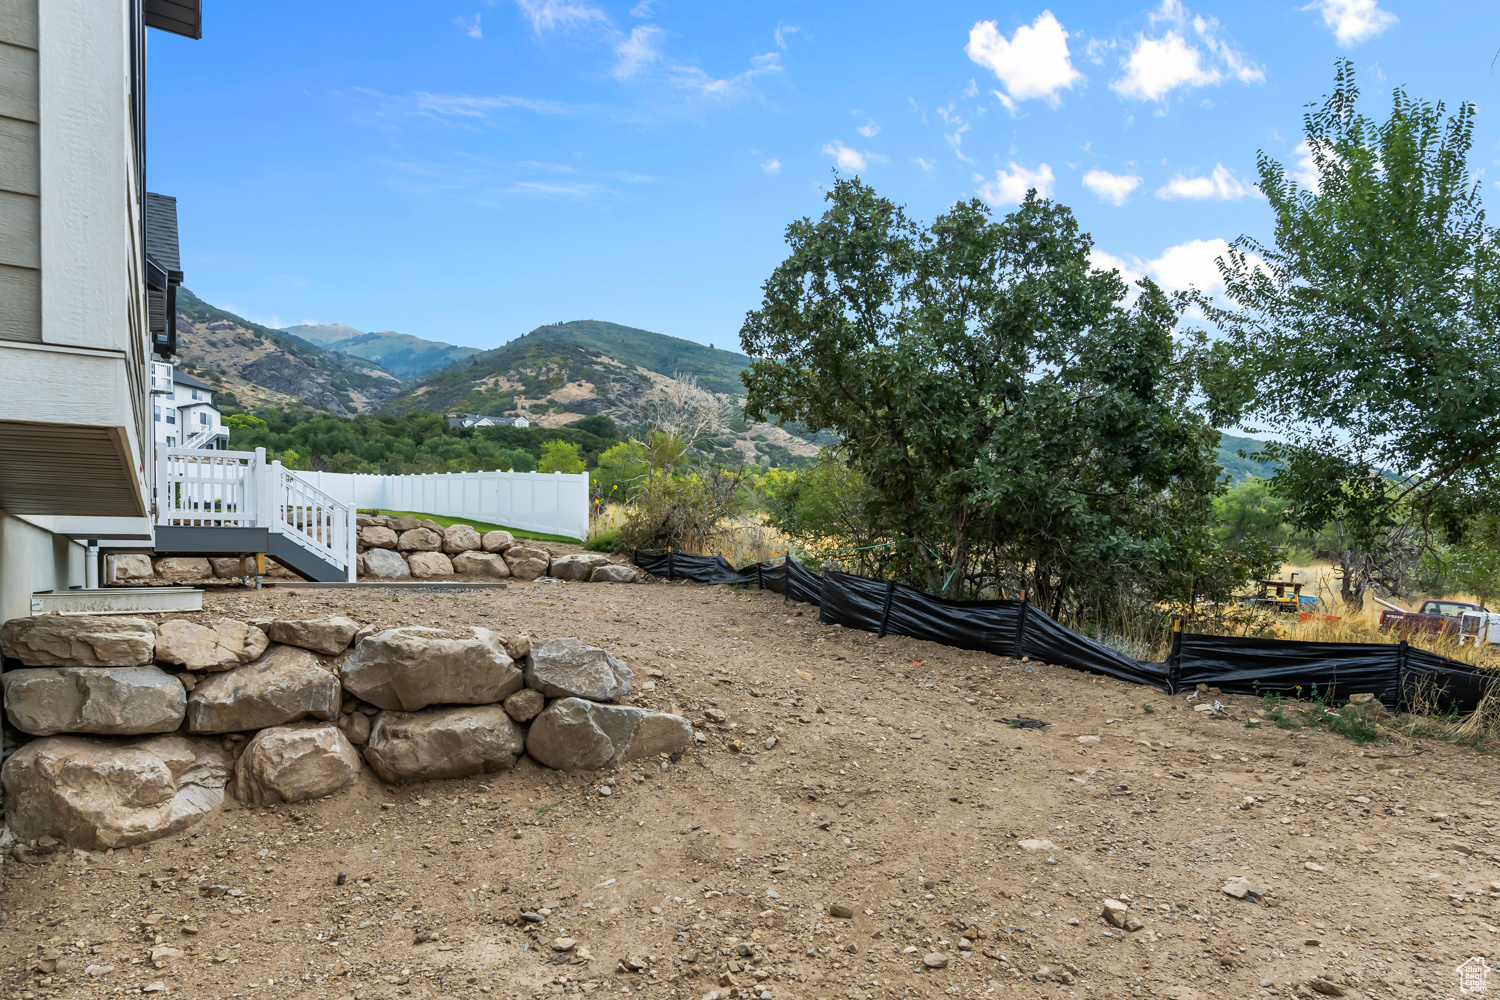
(861, 823)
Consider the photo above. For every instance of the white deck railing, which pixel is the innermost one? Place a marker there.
(239, 489)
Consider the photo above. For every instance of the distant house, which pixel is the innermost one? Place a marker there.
(473, 420)
(188, 418)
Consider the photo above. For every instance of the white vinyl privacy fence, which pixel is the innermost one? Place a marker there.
(555, 503)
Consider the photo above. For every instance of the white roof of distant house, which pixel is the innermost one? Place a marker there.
(475, 420)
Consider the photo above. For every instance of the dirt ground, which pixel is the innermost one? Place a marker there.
(893, 788)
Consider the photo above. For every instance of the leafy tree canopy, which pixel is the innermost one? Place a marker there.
(1019, 422)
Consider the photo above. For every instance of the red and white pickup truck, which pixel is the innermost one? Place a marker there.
(1435, 616)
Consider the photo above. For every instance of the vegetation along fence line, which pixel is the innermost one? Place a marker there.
(1399, 675)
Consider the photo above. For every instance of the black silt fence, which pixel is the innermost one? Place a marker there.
(1401, 676)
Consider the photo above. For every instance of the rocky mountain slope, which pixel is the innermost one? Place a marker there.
(259, 365)
(553, 384)
(402, 354)
(716, 370)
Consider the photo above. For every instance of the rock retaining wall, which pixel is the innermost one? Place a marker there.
(404, 548)
(138, 729)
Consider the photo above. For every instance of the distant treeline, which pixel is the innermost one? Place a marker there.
(411, 443)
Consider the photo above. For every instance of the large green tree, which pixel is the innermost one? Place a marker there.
(1365, 329)
(1017, 420)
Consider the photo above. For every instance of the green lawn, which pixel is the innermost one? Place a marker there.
(483, 526)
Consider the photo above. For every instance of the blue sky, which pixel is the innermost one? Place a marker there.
(468, 171)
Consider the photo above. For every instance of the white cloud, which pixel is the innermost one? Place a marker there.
(869, 130)
(1190, 265)
(771, 166)
(1222, 184)
(1353, 21)
(1113, 188)
(472, 30)
(643, 9)
(694, 78)
(1032, 63)
(545, 15)
(1305, 170)
(636, 51)
(1157, 66)
(782, 30)
(1010, 186)
(851, 159)
(1101, 261)
(931, 165)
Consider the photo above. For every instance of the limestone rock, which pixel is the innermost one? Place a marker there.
(480, 564)
(178, 569)
(410, 668)
(277, 570)
(355, 727)
(321, 635)
(568, 668)
(111, 701)
(427, 565)
(497, 541)
(614, 573)
(377, 537)
(217, 645)
(578, 566)
(525, 705)
(97, 794)
(293, 764)
(460, 538)
(577, 735)
(420, 540)
(406, 523)
(286, 684)
(386, 564)
(133, 566)
(527, 562)
(443, 743)
(228, 567)
(79, 641)
(1115, 913)
(428, 522)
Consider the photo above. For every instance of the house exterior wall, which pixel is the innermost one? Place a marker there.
(175, 433)
(75, 416)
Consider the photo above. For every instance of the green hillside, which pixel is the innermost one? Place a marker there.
(489, 382)
(407, 356)
(1240, 469)
(716, 370)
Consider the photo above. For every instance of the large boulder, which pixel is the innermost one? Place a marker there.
(216, 645)
(386, 564)
(286, 684)
(420, 540)
(377, 537)
(404, 523)
(410, 668)
(460, 538)
(97, 794)
(356, 727)
(429, 565)
(179, 569)
(480, 564)
(614, 573)
(497, 541)
(443, 743)
(578, 566)
(228, 567)
(321, 635)
(133, 566)
(573, 734)
(79, 641)
(527, 562)
(293, 764)
(109, 701)
(568, 668)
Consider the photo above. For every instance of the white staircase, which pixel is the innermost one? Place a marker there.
(304, 527)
